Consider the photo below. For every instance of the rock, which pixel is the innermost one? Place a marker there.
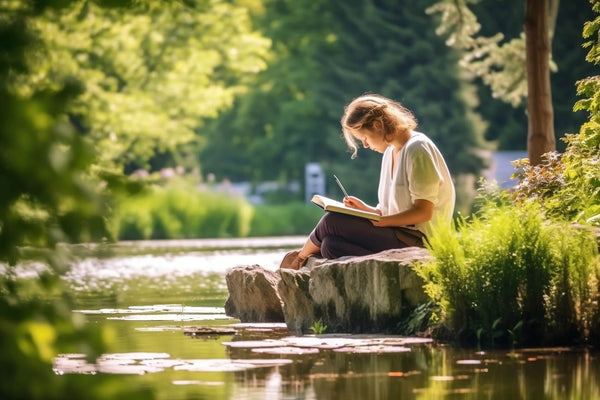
(370, 294)
(354, 294)
(253, 295)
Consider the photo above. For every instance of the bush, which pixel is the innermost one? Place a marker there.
(510, 277)
(180, 211)
(285, 219)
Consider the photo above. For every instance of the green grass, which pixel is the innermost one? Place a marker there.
(284, 219)
(183, 212)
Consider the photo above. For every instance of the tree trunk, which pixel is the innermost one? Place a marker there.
(540, 115)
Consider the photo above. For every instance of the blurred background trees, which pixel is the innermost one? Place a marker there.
(152, 75)
(325, 54)
(252, 90)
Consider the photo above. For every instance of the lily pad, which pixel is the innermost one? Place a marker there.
(251, 344)
(287, 350)
(207, 331)
(373, 349)
(224, 365)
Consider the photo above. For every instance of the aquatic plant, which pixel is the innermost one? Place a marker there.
(318, 327)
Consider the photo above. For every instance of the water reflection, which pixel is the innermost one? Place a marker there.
(165, 312)
(432, 372)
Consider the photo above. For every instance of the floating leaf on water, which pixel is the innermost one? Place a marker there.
(207, 330)
(134, 356)
(163, 328)
(66, 365)
(373, 349)
(287, 350)
(162, 363)
(216, 365)
(318, 342)
(127, 369)
(251, 344)
(260, 325)
(269, 362)
(415, 340)
(178, 308)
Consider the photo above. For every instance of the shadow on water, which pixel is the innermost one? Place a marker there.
(163, 303)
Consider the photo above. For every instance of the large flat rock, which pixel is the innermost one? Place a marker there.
(370, 294)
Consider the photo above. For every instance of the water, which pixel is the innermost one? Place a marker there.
(163, 303)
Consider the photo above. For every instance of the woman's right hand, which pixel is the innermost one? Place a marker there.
(355, 202)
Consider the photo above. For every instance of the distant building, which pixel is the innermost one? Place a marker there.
(315, 180)
(501, 168)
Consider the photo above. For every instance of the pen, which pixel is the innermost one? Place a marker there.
(340, 185)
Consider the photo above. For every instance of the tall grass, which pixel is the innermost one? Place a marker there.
(180, 212)
(295, 218)
(508, 276)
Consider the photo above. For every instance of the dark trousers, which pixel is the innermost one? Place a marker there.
(341, 235)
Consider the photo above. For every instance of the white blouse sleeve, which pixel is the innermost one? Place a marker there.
(423, 175)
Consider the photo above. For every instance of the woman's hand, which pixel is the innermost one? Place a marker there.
(355, 202)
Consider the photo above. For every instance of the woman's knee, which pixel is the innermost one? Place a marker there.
(335, 223)
(330, 247)
(335, 247)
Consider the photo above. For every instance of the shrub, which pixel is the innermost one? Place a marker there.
(508, 276)
(180, 211)
(284, 219)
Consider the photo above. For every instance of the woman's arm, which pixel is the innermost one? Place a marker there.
(421, 211)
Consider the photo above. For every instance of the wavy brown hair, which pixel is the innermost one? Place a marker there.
(364, 111)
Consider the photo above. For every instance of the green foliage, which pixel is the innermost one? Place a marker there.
(180, 211)
(288, 219)
(318, 328)
(568, 186)
(47, 197)
(491, 34)
(499, 65)
(152, 74)
(325, 54)
(509, 276)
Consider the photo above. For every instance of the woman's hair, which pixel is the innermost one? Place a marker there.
(364, 111)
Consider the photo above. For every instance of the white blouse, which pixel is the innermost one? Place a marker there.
(421, 173)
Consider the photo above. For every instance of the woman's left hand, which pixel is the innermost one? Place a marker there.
(380, 223)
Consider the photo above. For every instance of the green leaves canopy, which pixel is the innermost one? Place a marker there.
(325, 54)
(151, 75)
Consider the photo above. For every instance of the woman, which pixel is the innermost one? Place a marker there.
(415, 187)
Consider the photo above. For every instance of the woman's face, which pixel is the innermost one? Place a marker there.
(371, 140)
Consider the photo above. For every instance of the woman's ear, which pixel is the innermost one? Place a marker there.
(377, 126)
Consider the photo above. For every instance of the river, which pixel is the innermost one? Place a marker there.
(163, 302)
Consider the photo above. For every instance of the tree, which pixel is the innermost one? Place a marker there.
(152, 75)
(507, 122)
(540, 129)
(47, 197)
(518, 68)
(325, 54)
